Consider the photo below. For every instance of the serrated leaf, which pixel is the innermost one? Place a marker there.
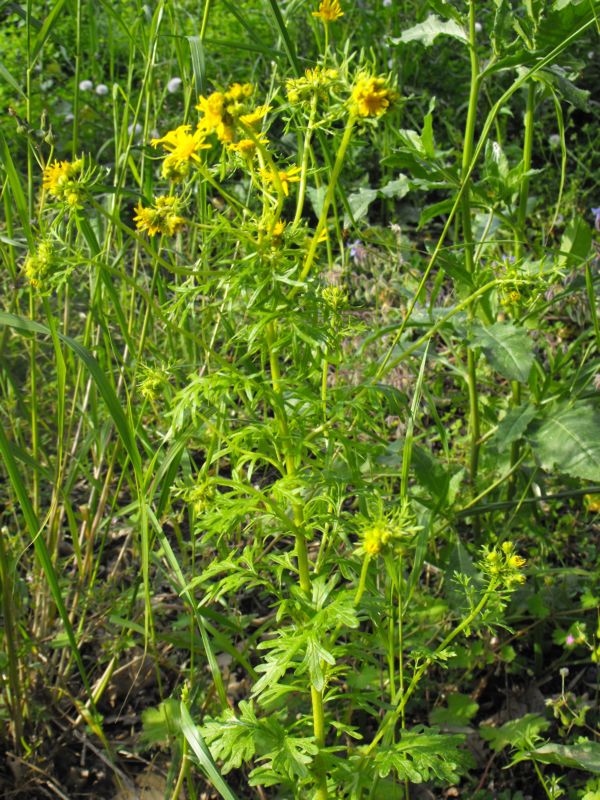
(427, 31)
(569, 441)
(508, 349)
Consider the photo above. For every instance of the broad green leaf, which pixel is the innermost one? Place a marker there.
(508, 349)
(359, 203)
(569, 441)
(584, 755)
(397, 188)
(575, 244)
(427, 32)
(513, 425)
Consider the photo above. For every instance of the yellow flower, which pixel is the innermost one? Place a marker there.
(62, 179)
(216, 118)
(329, 11)
(278, 229)
(162, 217)
(285, 176)
(515, 562)
(40, 264)
(592, 502)
(239, 91)
(375, 539)
(254, 117)
(371, 97)
(182, 147)
(247, 147)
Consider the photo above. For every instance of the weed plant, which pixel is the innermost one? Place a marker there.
(300, 425)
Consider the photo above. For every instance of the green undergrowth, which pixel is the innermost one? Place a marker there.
(299, 418)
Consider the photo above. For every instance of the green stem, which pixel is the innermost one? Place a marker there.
(538, 772)
(474, 420)
(521, 237)
(16, 701)
(304, 164)
(329, 194)
(204, 20)
(301, 546)
(392, 716)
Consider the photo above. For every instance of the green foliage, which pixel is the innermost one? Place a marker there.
(298, 391)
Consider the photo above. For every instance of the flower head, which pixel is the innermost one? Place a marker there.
(314, 81)
(329, 11)
(504, 565)
(246, 147)
(286, 177)
(375, 539)
(222, 110)
(371, 97)
(63, 180)
(182, 147)
(39, 265)
(162, 217)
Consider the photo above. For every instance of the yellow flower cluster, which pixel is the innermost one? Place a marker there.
(39, 265)
(505, 565)
(64, 181)
(371, 97)
(223, 112)
(329, 11)
(315, 81)
(375, 539)
(162, 217)
(182, 147)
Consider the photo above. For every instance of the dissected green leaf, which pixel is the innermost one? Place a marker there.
(518, 733)
(423, 754)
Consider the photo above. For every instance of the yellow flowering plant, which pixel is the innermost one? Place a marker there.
(300, 486)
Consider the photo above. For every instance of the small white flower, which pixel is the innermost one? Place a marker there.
(387, 3)
(478, 27)
(554, 140)
(174, 85)
(69, 117)
(137, 129)
(102, 89)
(86, 86)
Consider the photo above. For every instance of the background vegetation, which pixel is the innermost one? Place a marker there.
(300, 428)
